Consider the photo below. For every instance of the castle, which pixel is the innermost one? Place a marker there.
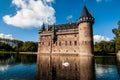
(71, 38)
(65, 51)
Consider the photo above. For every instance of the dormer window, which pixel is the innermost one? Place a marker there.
(87, 18)
(83, 18)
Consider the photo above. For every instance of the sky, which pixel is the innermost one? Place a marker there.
(21, 19)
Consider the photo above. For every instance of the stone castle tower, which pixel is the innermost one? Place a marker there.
(71, 38)
(85, 30)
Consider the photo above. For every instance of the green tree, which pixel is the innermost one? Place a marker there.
(116, 32)
(29, 46)
(104, 47)
(6, 47)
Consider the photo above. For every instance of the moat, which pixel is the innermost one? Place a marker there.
(29, 67)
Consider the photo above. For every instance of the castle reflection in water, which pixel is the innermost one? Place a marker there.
(65, 67)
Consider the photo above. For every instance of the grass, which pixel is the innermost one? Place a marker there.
(7, 52)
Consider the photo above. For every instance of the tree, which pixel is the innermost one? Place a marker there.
(104, 47)
(29, 46)
(116, 32)
(5, 47)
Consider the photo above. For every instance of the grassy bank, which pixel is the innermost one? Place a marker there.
(7, 52)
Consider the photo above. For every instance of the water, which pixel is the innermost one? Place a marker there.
(64, 67)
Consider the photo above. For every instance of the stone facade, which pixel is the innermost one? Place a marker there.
(71, 38)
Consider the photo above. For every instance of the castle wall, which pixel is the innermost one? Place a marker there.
(67, 42)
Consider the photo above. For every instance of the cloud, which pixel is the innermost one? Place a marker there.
(102, 0)
(6, 36)
(69, 18)
(31, 13)
(98, 0)
(98, 38)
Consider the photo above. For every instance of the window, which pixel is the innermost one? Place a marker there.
(70, 43)
(48, 43)
(59, 43)
(75, 43)
(42, 43)
(65, 43)
(75, 35)
(66, 50)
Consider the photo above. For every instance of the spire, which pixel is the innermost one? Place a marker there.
(42, 27)
(85, 13)
(85, 16)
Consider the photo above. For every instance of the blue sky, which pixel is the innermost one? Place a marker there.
(21, 19)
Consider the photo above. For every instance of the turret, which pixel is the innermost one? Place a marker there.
(42, 28)
(85, 23)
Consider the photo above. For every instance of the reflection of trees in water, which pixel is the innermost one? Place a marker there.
(105, 60)
(65, 67)
(18, 58)
(106, 68)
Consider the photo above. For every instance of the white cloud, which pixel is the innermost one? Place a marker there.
(98, 38)
(98, 0)
(69, 17)
(31, 13)
(6, 36)
(102, 0)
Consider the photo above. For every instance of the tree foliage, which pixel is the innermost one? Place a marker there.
(5, 47)
(116, 32)
(29, 46)
(17, 45)
(104, 47)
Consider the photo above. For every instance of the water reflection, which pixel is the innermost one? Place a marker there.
(65, 67)
(58, 67)
(17, 67)
(106, 68)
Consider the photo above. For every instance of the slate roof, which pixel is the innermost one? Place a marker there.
(85, 13)
(85, 16)
(63, 26)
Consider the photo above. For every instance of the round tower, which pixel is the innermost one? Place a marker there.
(85, 23)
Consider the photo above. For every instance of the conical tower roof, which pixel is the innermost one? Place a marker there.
(85, 16)
(85, 13)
